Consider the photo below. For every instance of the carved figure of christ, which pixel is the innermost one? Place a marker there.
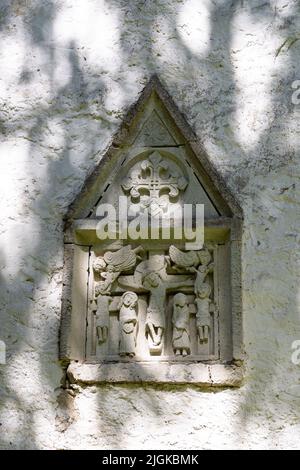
(158, 284)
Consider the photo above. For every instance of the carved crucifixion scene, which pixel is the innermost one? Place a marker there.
(149, 304)
(155, 184)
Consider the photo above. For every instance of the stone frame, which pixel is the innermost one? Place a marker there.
(79, 231)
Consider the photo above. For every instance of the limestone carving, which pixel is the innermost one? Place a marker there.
(204, 309)
(198, 262)
(102, 318)
(154, 183)
(192, 261)
(188, 260)
(182, 260)
(128, 324)
(137, 294)
(151, 276)
(154, 132)
(201, 273)
(109, 267)
(156, 276)
(180, 320)
(112, 264)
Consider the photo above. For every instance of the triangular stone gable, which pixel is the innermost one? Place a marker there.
(155, 121)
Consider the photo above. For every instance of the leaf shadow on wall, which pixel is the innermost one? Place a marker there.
(69, 110)
(267, 355)
(32, 311)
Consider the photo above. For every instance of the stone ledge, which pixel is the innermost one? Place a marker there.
(206, 375)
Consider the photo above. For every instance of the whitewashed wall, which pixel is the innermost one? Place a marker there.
(69, 71)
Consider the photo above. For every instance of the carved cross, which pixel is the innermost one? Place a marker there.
(156, 264)
(154, 179)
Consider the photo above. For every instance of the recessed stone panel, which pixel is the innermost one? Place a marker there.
(144, 298)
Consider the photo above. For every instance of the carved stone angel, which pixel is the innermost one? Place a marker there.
(182, 260)
(188, 260)
(197, 262)
(110, 266)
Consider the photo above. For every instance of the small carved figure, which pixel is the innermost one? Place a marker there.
(197, 262)
(155, 319)
(128, 324)
(102, 318)
(204, 308)
(180, 320)
(201, 274)
(158, 179)
(109, 276)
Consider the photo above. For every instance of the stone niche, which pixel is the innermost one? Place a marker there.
(153, 308)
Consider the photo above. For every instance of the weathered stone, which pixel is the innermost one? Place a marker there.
(176, 303)
(70, 71)
(203, 375)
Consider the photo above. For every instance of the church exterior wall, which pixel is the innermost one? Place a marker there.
(70, 72)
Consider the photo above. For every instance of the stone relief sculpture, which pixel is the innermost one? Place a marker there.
(156, 279)
(183, 260)
(198, 262)
(203, 269)
(140, 295)
(180, 321)
(204, 309)
(155, 319)
(102, 318)
(128, 324)
(109, 267)
(112, 264)
(150, 276)
(202, 292)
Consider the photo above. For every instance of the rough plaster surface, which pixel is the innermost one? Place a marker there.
(69, 71)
